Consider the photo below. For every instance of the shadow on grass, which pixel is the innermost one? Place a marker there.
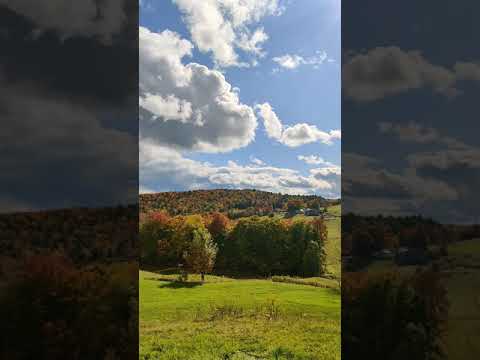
(180, 285)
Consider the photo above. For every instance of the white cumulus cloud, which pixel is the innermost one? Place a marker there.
(296, 135)
(220, 27)
(168, 108)
(162, 168)
(314, 160)
(192, 107)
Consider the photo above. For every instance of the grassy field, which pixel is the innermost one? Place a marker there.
(243, 319)
(237, 319)
(463, 286)
(334, 243)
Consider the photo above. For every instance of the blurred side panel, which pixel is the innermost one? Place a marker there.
(410, 172)
(69, 182)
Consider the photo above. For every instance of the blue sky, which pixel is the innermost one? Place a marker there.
(292, 70)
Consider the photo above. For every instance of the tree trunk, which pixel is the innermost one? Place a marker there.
(203, 276)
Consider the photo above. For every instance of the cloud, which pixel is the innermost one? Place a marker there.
(439, 177)
(220, 27)
(332, 175)
(411, 132)
(296, 135)
(291, 62)
(107, 77)
(315, 160)
(256, 161)
(253, 43)
(449, 161)
(68, 160)
(73, 18)
(451, 151)
(367, 178)
(167, 108)
(162, 168)
(188, 107)
(329, 172)
(300, 134)
(273, 125)
(388, 71)
(67, 112)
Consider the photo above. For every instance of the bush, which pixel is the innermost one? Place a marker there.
(317, 282)
(389, 316)
(56, 310)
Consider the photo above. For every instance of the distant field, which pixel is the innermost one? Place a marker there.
(237, 319)
(334, 243)
(462, 286)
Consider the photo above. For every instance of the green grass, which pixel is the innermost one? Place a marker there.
(335, 210)
(334, 243)
(230, 319)
(226, 318)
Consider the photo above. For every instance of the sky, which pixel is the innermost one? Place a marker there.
(68, 104)
(410, 109)
(240, 94)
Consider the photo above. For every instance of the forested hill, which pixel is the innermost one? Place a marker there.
(242, 202)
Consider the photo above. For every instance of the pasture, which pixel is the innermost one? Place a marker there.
(333, 246)
(240, 319)
(237, 319)
(463, 282)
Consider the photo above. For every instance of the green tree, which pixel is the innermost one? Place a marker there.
(201, 252)
(297, 245)
(294, 205)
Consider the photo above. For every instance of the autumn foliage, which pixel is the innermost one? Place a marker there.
(234, 203)
(393, 316)
(251, 246)
(57, 310)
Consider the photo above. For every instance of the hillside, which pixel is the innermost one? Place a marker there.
(83, 234)
(249, 202)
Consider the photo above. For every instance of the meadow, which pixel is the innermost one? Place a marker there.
(237, 319)
(463, 282)
(334, 242)
(226, 318)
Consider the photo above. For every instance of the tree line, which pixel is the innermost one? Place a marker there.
(259, 246)
(362, 236)
(235, 203)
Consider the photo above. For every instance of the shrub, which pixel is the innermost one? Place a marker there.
(56, 310)
(389, 316)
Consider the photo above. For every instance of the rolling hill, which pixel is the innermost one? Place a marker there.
(224, 200)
